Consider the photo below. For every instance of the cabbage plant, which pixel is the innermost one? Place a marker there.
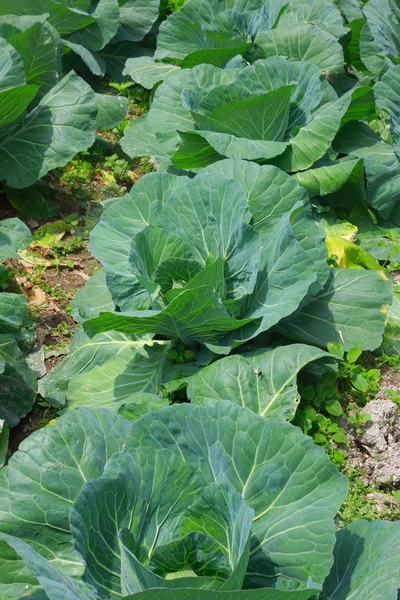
(17, 381)
(223, 32)
(194, 502)
(209, 264)
(200, 116)
(102, 33)
(45, 118)
(216, 260)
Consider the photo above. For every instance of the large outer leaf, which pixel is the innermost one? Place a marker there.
(41, 482)
(92, 60)
(196, 315)
(96, 36)
(56, 585)
(221, 145)
(211, 595)
(292, 486)
(39, 47)
(265, 382)
(382, 167)
(14, 235)
(314, 139)
(104, 353)
(379, 238)
(110, 241)
(168, 115)
(17, 382)
(322, 13)
(136, 19)
(326, 180)
(380, 42)
(114, 56)
(62, 17)
(12, 70)
(391, 338)
(110, 110)
(59, 127)
(366, 563)
(12, 312)
(147, 72)
(386, 94)
(305, 43)
(351, 310)
(4, 433)
(14, 102)
(93, 299)
(118, 380)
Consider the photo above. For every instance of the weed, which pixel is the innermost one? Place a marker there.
(181, 355)
(391, 360)
(118, 166)
(72, 245)
(170, 6)
(357, 379)
(357, 419)
(62, 330)
(359, 506)
(394, 396)
(122, 88)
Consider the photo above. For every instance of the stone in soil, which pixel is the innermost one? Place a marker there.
(376, 449)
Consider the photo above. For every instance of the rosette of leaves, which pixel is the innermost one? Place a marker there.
(222, 33)
(102, 33)
(274, 110)
(202, 115)
(196, 502)
(216, 260)
(17, 381)
(45, 118)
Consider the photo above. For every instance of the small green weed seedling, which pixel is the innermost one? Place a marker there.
(181, 355)
(358, 379)
(357, 419)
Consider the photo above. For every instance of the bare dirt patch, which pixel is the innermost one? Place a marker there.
(376, 447)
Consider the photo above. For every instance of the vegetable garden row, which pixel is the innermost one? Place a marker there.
(257, 244)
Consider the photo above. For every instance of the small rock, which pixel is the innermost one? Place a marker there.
(33, 224)
(387, 470)
(383, 428)
(379, 500)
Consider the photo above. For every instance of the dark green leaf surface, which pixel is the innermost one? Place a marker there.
(110, 354)
(382, 167)
(41, 482)
(290, 506)
(136, 18)
(366, 565)
(265, 381)
(196, 315)
(351, 310)
(111, 110)
(59, 127)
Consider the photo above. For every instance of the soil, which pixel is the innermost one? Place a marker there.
(375, 449)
